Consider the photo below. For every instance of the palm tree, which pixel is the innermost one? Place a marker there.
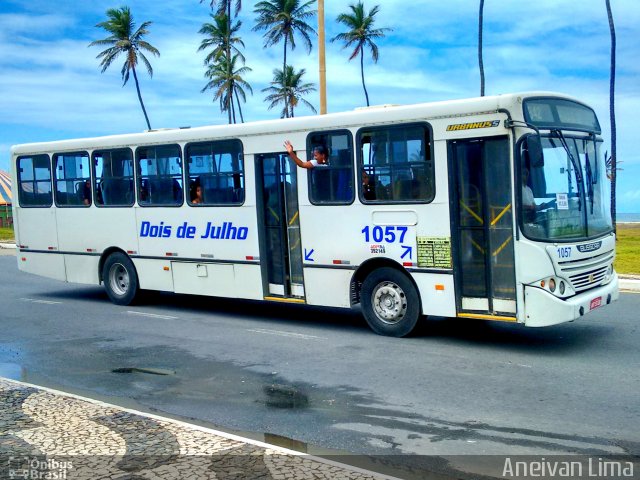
(612, 113)
(361, 33)
(288, 90)
(125, 39)
(282, 19)
(225, 79)
(221, 36)
(225, 6)
(480, 63)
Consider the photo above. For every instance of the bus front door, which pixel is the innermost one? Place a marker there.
(279, 222)
(482, 228)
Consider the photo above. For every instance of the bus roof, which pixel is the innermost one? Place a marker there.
(355, 118)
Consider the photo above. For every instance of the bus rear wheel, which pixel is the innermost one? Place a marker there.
(390, 302)
(120, 279)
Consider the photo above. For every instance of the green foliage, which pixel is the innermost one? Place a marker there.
(225, 79)
(6, 233)
(360, 34)
(220, 36)
(628, 249)
(125, 39)
(287, 91)
(282, 19)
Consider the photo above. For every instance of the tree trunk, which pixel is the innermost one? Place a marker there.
(239, 109)
(362, 73)
(480, 62)
(229, 56)
(612, 114)
(233, 106)
(284, 80)
(135, 77)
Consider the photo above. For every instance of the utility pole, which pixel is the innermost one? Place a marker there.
(321, 59)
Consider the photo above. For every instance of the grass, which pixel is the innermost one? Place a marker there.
(627, 255)
(6, 233)
(628, 249)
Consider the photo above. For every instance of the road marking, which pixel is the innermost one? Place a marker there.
(45, 302)
(152, 315)
(285, 334)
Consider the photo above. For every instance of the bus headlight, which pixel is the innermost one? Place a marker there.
(561, 288)
(552, 284)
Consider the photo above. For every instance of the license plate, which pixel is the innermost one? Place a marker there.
(595, 303)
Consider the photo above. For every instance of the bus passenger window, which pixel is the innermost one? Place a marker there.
(217, 170)
(72, 179)
(34, 181)
(113, 174)
(159, 176)
(332, 184)
(395, 164)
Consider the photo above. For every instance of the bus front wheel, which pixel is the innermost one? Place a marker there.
(120, 279)
(390, 302)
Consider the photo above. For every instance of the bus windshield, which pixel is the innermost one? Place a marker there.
(565, 192)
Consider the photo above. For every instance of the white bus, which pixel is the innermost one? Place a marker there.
(492, 208)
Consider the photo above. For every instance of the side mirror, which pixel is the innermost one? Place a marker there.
(534, 147)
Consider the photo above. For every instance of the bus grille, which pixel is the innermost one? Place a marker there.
(588, 279)
(588, 272)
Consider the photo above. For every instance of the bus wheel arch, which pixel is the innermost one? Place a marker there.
(119, 276)
(389, 297)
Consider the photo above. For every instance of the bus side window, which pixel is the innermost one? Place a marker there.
(218, 167)
(397, 160)
(72, 179)
(113, 174)
(34, 181)
(332, 184)
(160, 175)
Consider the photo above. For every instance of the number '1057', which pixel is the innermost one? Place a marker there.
(387, 234)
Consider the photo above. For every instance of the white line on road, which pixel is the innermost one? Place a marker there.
(152, 315)
(46, 302)
(286, 334)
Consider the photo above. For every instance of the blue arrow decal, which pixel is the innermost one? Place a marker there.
(407, 250)
(307, 255)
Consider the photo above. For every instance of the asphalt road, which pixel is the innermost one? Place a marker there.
(315, 379)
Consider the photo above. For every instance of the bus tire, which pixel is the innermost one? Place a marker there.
(390, 302)
(120, 279)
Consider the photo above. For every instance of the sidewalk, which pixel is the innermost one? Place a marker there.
(49, 434)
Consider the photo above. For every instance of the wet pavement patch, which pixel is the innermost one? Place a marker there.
(150, 371)
(11, 370)
(285, 396)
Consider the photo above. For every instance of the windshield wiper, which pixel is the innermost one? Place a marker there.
(588, 171)
(576, 165)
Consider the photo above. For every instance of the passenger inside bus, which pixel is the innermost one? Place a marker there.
(196, 193)
(368, 186)
(84, 192)
(320, 156)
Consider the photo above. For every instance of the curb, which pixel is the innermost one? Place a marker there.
(8, 245)
(629, 284)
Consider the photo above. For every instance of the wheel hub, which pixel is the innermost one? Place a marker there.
(119, 279)
(389, 302)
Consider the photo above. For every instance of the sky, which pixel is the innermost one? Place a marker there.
(51, 87)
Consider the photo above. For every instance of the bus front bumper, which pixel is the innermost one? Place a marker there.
(543, 309)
